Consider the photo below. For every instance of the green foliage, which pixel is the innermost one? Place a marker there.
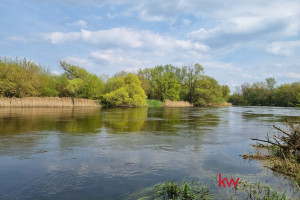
(77, 82)
(19, 78)
(161, 82)
(74, 87)
(92, 87)
(191, 191)
(255, 191)
(265, 93)
(206, 91)
(225, 92)
(185, 191)
(126, 92)
(154, 103)
(186, 83)
(22, 78)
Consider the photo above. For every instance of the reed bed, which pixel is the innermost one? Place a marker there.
(5, 102)
(86, 102)
(29, 102)
(169, 103)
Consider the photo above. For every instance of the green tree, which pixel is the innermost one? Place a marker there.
(19, 78)
(207, 91)
(225, 92)
(128, 93)
(77, 82)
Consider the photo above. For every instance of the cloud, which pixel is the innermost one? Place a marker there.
(79, 23)
(284, 48)
(293, 75)
(126, 38)
(59, 37)
(115, 58)
(79, 61)
(19, 39)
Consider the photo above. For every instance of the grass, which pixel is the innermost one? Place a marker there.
(172, 190)
(154, 103)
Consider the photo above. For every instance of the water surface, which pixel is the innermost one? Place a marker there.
(93, 153)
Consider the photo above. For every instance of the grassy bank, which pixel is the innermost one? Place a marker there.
(47, 102)
(154, 103)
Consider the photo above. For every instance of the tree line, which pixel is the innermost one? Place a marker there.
(24, 78)
(266, 94)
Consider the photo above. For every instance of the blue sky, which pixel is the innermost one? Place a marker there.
(235, 41)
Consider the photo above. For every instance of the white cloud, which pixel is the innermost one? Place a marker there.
(115, 37)
(59, 37)
(293, 75)
(79, 61)
(126, 38)
(115, 58)
(80, 23)
(285, 48)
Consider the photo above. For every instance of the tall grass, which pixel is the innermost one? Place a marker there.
(169, 103)
(46, 102)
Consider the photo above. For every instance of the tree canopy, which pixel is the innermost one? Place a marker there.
(266, 94)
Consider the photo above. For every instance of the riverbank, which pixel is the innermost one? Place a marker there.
(47, 102)
(280, 152)
(178, 104)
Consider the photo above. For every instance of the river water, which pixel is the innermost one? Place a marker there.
(94, 153)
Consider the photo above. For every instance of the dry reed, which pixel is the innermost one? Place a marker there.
(169, 103)
(29, 102)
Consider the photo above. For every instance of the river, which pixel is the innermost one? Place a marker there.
(97, 153)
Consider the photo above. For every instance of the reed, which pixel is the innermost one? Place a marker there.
(169, 103)
(29, 102)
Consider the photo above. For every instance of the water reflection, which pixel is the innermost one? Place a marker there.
(105, 153)
(124, 120)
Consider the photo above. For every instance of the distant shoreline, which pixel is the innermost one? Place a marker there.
(47, 102)
(44, 102)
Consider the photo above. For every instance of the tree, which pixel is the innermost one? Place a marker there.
(225, 92)
(207, 91)
(128, 93)
(192, 76)
(163, 82)
(77, 82)
(19, 78)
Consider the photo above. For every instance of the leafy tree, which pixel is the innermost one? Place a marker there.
(128, 93)
(163, 82)
(77, 82)
(192, 76)
(19, 78)
(207, 91)
(265, 93)
(74, 87)
(225, 92)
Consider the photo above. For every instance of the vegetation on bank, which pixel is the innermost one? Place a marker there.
(266, 94)
(23, 78)
(171, 190)
(154, 103)
(281, 152)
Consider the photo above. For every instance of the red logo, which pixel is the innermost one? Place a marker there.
(222, 182)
